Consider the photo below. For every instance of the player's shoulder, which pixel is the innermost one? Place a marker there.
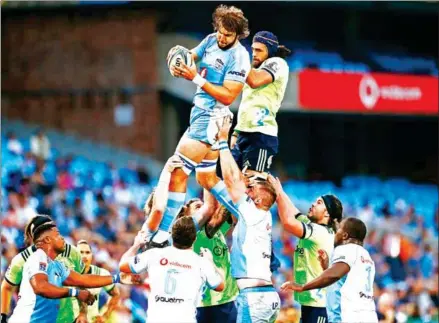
(24, 255)
(95, 270)
(350, 249)
(38, 255)
(210, 39)
(276, 64)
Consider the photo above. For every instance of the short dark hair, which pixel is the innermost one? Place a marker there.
(33, 226)
(184, 233)
(334, 208)
(232, 19)
(355, 228)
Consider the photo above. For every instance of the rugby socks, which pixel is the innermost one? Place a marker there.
(175, 203)
(222, 195)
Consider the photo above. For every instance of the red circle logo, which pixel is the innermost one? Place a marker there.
(163, 261)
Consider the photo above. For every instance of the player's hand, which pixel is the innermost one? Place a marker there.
(323, 259)
(291, 286)
(82, 318)
(130, 279)
(275, 182)
(86, 297)
(184, 71)
(140, 239)
(99, 319)
(224, 126)
(173, 163)
(206, 254)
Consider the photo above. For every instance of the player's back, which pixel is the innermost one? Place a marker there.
(218, 65)
(351, 298)
(177, 278)
(32, 307)
(251, 247)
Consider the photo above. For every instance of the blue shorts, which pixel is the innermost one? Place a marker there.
(258, 305)
(312, 314)
(255, 150)
(224, 313)
(202, 124)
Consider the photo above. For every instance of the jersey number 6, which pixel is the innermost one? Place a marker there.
(170, 281)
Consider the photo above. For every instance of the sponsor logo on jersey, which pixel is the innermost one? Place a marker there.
(365, 260)
(162, 299)
(136, 259)
(163, 261)
(266, 255)
(176, 263)
(272, 66)
(219, 64)
(300, 251)
(242, 73)
(363, 295)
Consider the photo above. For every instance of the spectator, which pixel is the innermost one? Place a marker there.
(40, 145)
(13, 144)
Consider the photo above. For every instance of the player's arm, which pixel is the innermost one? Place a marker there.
(287, 210)
(257, 78)
(161, 193)
(213, 275)
(113, 302)
(226, 93)
(130, 261)
(232, 175)
(94, 281)
(7, 291)
(328, 277)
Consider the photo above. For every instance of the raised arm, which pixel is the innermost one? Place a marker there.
(287, 210)
(233, 178)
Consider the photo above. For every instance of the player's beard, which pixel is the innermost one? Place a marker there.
(256, 64)
(227, 46)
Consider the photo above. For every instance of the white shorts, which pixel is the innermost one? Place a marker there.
(258, 305)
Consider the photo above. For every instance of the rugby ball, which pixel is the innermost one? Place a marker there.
(178, 55)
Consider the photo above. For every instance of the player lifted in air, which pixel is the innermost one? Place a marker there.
(224, 66)
(254, 141)
(350, 277)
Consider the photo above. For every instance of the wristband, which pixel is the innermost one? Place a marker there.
(116, 279)
(199, 81)
(73, 292)
(223, 145)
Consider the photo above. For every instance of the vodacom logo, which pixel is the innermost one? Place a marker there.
(370, 92)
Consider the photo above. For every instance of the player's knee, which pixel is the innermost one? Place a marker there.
(207, 180)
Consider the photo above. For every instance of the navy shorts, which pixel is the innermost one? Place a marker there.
(312, 314)
(224, 313)
(255, 151)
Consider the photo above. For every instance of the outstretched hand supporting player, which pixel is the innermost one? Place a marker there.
(224, 126)
(173, 163)
(185, 71)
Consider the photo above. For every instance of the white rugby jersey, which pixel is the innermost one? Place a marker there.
(251, 247)
(32, 308)
(351, 298)
(177, 278)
